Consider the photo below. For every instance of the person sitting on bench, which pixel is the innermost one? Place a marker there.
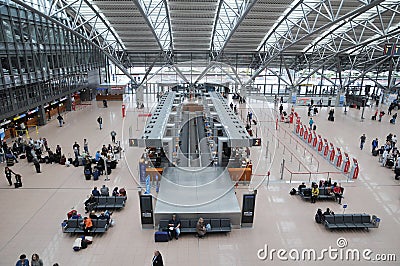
(201, 228)
(319, 216)
(338, 191)
(90, 203)
(302, 186)
(88, 225)
(174, 227)
(327, 212)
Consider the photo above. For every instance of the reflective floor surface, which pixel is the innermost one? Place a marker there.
(32, 215)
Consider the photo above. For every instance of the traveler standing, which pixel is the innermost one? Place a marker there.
(157, 259)
(113, 134)
(86, 146)
(37, 164)
(362, 141)
(100, 121)
(8, 172)
(311, 122)
(60, 120)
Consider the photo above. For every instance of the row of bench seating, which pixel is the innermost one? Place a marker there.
(351, 221)
(76, 226)
(324, 193)
(109, 202)
(189, 226)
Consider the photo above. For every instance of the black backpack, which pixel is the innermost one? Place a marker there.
(293, 191)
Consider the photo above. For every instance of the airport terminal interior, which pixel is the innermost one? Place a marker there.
(267, 128)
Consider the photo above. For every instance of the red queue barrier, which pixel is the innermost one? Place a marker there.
(310, 136)
(331, 153)
(326, 148)
(346, 163)
(338, 158)
(354, 169)
(305, 136)
(320, 143)
(315, 141)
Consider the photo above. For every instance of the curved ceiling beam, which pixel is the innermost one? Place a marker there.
(225, 25)
(113, 56)
(272, 52)
(157, 17)
(325, 59)
(167, 54)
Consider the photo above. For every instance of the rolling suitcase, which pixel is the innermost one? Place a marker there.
(96, 175)
(17, 184)
(160, 236)
(375, 152)
(254, 122)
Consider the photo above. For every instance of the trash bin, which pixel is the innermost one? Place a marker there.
(376, 221)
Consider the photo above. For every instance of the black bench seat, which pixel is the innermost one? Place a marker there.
(75, 226)
(189, 226)
(351, 221)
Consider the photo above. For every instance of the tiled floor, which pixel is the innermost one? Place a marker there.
(31, 216)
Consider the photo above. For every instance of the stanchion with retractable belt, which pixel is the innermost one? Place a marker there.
(346, 164)
(320, 144)
(123, 110)
(354, 169)
(291, 118)
(331, 153)
(338, 158)
(315, 140)
(325, 149)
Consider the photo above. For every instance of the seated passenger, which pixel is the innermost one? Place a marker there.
(338, 191)
(104, 191)
(201, 228)
(71, 213)
(76, 216)
(328, 182)
(122, 192)
(302, 186)
(174, 227)
(115, 192)
(93, 215)
(95, 192)
(319, 216)
(90, 203)
(87, 224)
(328, 212)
